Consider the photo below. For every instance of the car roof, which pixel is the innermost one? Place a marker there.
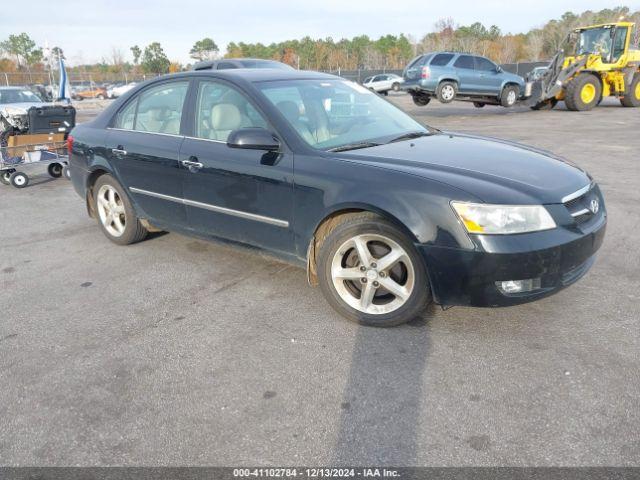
(259, 74)
(206, 64)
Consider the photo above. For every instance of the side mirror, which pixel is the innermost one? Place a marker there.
(253, 138)
(499, 69)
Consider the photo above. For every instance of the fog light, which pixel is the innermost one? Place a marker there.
(519, 286)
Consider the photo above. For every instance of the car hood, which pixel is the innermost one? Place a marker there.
(491, 170)
(19, 108)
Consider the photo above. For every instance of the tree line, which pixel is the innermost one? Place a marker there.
(19, 53)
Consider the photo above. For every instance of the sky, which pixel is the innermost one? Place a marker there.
(88, 30)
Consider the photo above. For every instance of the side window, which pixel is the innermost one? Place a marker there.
(220, 109)
(416, 61)
(127, 116)
(156, 110)
(226, 66)
(464, 61)
(441, 59)
(485, 65)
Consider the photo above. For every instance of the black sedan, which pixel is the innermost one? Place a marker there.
(385, 214)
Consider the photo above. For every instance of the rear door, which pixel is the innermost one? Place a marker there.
(143, 146)
(237, 194)
(465, 69)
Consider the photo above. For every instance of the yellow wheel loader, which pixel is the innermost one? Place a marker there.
(602, 64)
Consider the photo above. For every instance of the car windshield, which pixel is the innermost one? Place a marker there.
(330, 114)
(18, 96)
(595, 40)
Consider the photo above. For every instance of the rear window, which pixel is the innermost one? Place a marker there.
(420, 60)
(464, 61)
(441, 59)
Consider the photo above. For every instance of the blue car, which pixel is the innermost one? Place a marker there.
(385, 214)
(452, 76)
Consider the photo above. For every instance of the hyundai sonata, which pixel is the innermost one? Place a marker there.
(386, 214)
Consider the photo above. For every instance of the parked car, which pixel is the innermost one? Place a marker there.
(383, 83)
(81, 93)
(229, 63)
(15, 103)
(536, 74)
(387, 215)
(120, 89)
(452, 76)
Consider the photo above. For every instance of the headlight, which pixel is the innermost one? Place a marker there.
(503, 219)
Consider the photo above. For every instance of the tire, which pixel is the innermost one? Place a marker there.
(546, 105)
(338, 254)
(395, 86)
(55, 170)
(479, 104)
(5, 175)
(100, 97)
(632, 97)
(19, 179)
(583, 93)
(115, 214)
(509, 96)
(447, 91)
(421, 100)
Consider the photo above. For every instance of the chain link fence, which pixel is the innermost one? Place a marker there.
(99, 78)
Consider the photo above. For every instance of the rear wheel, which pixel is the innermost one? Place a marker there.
(116, 216)
(395, 86)
(583, 92)
(5, 175)
(420, 100)
(371, 273)
(447, 91)
(509, 96)
(632, 97)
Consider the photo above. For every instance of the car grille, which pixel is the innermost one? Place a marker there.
(579, 207)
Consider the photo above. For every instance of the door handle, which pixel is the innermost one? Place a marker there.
(118, 151)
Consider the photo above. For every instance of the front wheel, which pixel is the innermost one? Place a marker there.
(583, 92)
(395, 87)
(115, 213)
(509, 96)
(371, 273)
(19, 179)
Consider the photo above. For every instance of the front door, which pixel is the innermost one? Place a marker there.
(237, 194)
(144, 146)
(489, 80)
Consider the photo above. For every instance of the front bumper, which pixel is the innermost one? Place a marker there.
(468, 277)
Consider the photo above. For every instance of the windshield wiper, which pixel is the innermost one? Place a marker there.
(354, 146)
(409, 136)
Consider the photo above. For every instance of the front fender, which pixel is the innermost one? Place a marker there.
(418, 205)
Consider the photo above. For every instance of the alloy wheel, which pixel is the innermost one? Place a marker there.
(448, 92)
(373, 274)
(111, 210)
